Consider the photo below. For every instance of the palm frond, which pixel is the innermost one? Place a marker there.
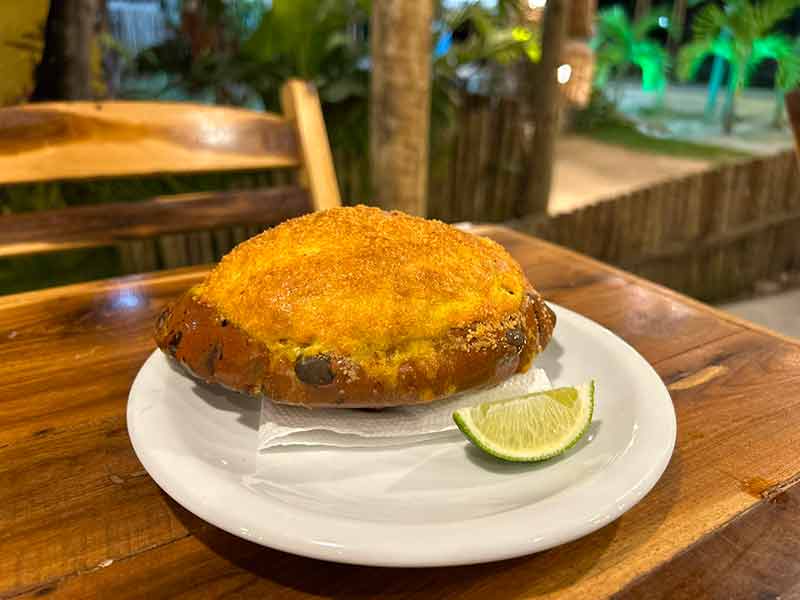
(742, 22)
(784, 51)
(648, 22)
(708, 22)
(602, 73)
(653, 60)
(767, 13)
(618, 43)
(772, 47)
(607, 60)
(691, 56)
(726, 47)
(613, 24)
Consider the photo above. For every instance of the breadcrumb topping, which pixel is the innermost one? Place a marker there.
(373, 285)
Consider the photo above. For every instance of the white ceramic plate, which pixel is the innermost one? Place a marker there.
(442, 503)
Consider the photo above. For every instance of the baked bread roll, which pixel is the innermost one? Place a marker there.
(358, 307)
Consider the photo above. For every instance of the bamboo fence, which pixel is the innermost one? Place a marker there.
(710, 235)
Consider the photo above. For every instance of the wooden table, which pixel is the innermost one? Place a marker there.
(79, 517)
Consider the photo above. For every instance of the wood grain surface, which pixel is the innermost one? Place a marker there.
(756, 556)
(300, 104)
(80, 518)
(53, 141)
(793, 110)
(47, 141)
(104, 224)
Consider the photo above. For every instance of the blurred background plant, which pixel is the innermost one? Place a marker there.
(620, 44)
(739, 36)
(239, 52)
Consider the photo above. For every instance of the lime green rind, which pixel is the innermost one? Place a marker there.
(475, 438)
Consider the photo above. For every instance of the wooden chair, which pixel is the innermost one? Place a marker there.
(83, 140)
(793, 110)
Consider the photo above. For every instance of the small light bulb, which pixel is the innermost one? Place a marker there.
(563, 73)
(663, 22)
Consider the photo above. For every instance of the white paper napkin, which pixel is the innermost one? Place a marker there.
(283, 425)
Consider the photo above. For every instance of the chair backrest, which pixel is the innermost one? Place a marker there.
(79, 140)
(793, 110)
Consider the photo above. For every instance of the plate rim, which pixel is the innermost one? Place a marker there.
(433, 554)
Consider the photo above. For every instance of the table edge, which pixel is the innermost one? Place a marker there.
(163, 276)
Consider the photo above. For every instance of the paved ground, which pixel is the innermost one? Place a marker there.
(587, 171)
(780, 312)
(752, 132)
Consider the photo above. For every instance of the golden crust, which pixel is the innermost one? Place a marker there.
(402, 310)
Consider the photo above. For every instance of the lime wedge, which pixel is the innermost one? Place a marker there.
(529, 428)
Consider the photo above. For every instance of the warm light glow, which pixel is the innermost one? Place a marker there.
(534, 4)
(563, 73)
(212, 133)
(126, 298)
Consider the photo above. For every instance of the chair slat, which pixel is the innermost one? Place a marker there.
(75, 140)
(301, 105)
(105, 224)
(87, 140)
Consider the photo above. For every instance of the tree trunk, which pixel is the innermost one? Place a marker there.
(793, 110)
(546, 102)
(714, 84)
(715, 80)
(677, 24)
(400, 103)
(65, 72)
(641, 8)
(729, 108)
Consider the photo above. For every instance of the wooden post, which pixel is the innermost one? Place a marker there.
(65, 71)
(545, 101)
(400, 99)
(792, 100)
(581, 18)
(677, 24)
(641, 8)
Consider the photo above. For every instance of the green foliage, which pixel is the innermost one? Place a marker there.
(490, 42)
(493, 38)
(315, 40)
(783, 50)
(201, 60)
(627, 135)
(740, 35)
(257, 50)
(748, 42)
(599, 113)
(308, 39)
(620, 43)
